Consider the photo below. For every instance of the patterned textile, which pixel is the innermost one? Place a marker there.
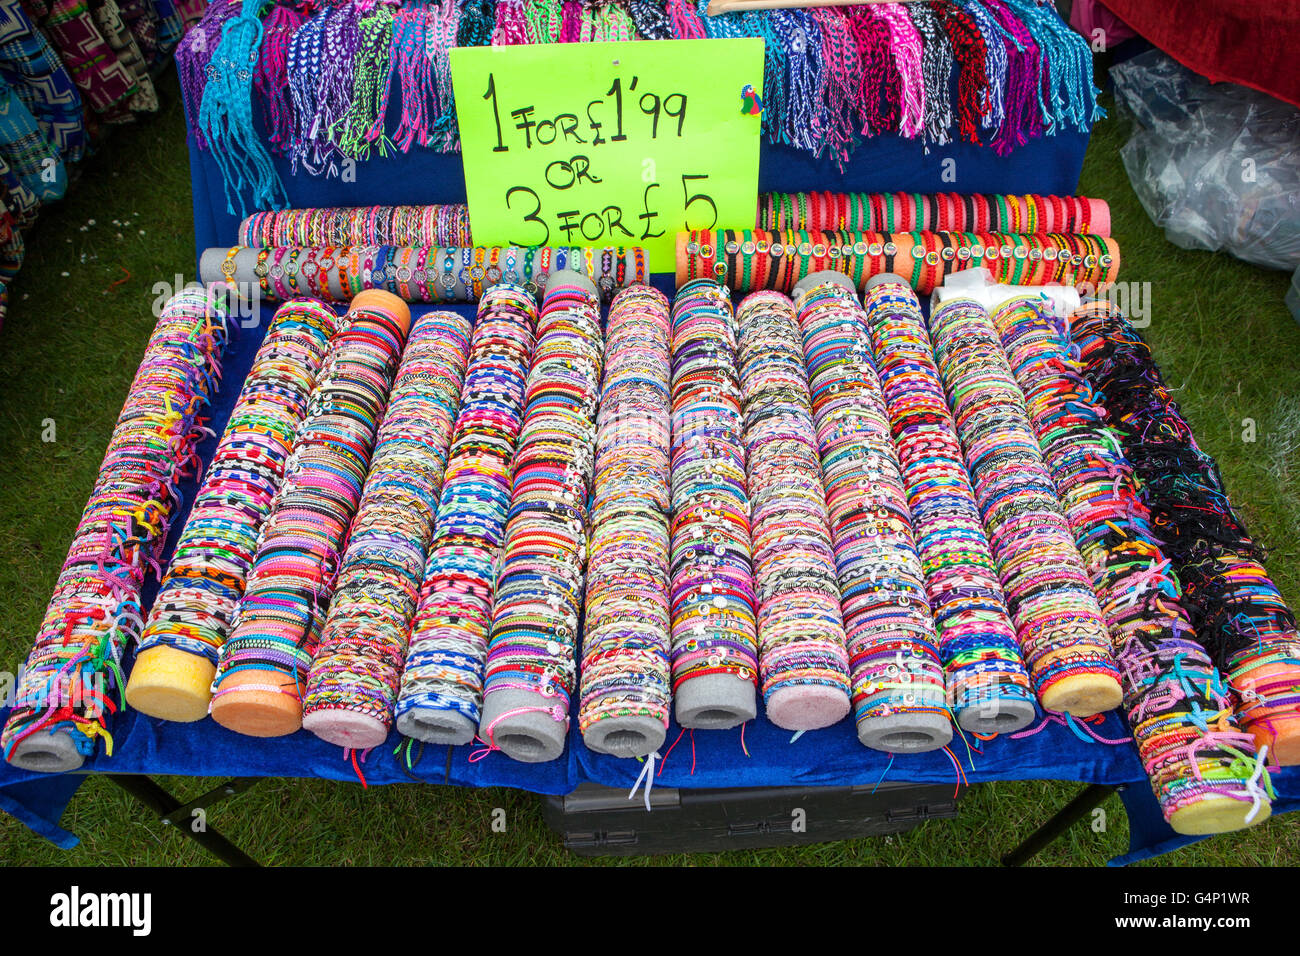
(105, 82)
(33, 161)
(108, 18)
(29, 64)
(142, 21)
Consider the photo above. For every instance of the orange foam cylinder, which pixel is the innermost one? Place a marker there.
(1275, 726)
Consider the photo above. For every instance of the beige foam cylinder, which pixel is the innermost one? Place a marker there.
(1217, 815)
(170, 684)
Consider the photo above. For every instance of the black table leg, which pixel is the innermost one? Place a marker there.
(148, 792)
(1091, 797)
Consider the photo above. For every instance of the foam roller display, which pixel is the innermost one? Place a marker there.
(353, 683)
(1173, 693)
(988, 685)
(71, 683)
(441, 691)
(196, 602)
(1049, 594)
(262, 668)
(714, 628)
(803, 660)
(626, 680)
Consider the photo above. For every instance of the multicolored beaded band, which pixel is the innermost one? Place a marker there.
(191, 616)
(442, 684)
(803, 658)
(1203, 769)
(937, 212)
(626, 689)
(531, 667)
(988, 685)
(417, 274)
(68, 689)
(898, 682)
(1239, 615)
(750, 260)
(1062, 637)
(354, 678)
(262, 667)
(437, 225)
(712, 600)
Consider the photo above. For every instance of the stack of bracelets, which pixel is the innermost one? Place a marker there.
(803, 661)
(749, 260)
(418, 274)
(263, 664)
(353, 683)
(626, 689)
(1062, 637)
(939, 212)
(899, 698)
(988, 686)
(442, 685)
(714, 626)
(196, 602)
(438, 225)
(1239, 615)
(69, 686)
(531, 667)
(1201, 766)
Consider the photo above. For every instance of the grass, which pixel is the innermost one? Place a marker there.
(78, 321)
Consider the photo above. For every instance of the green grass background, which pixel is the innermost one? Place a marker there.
(78, 321)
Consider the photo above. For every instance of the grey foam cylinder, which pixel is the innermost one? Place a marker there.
(715, 702)
(437, 726)
(572, 275)
(532, 735)
(625, 736)
(996, 716)
(818, 278)
(905, 733)
(46, 752)
(882, 278)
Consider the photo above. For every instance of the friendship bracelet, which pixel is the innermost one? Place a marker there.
(436, 225)
(626, 674)
(1202, 768)
(353, 683)
(263, 665)
(196, 602)
(1062, 637)
(531, 669)
(712, 600)
(1239, 615)
(988, 685)
(70, 685)
(441, 691)
(803, 658)
(910, 212)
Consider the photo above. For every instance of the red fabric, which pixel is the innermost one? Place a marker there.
(1251, 42)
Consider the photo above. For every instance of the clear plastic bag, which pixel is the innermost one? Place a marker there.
(1216, 165)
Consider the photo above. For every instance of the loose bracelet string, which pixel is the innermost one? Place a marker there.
(1203, 768)
(1239, 615)
(353, 683)
(70, 685)
(803, 659)
(1058, 622)
(192, 613)
(262, 667)
(626, 673)
(988, 685)
(441, 691)
(713, 604)
(531, 668)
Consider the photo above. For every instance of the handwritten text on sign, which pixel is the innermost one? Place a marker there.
(608, 144)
